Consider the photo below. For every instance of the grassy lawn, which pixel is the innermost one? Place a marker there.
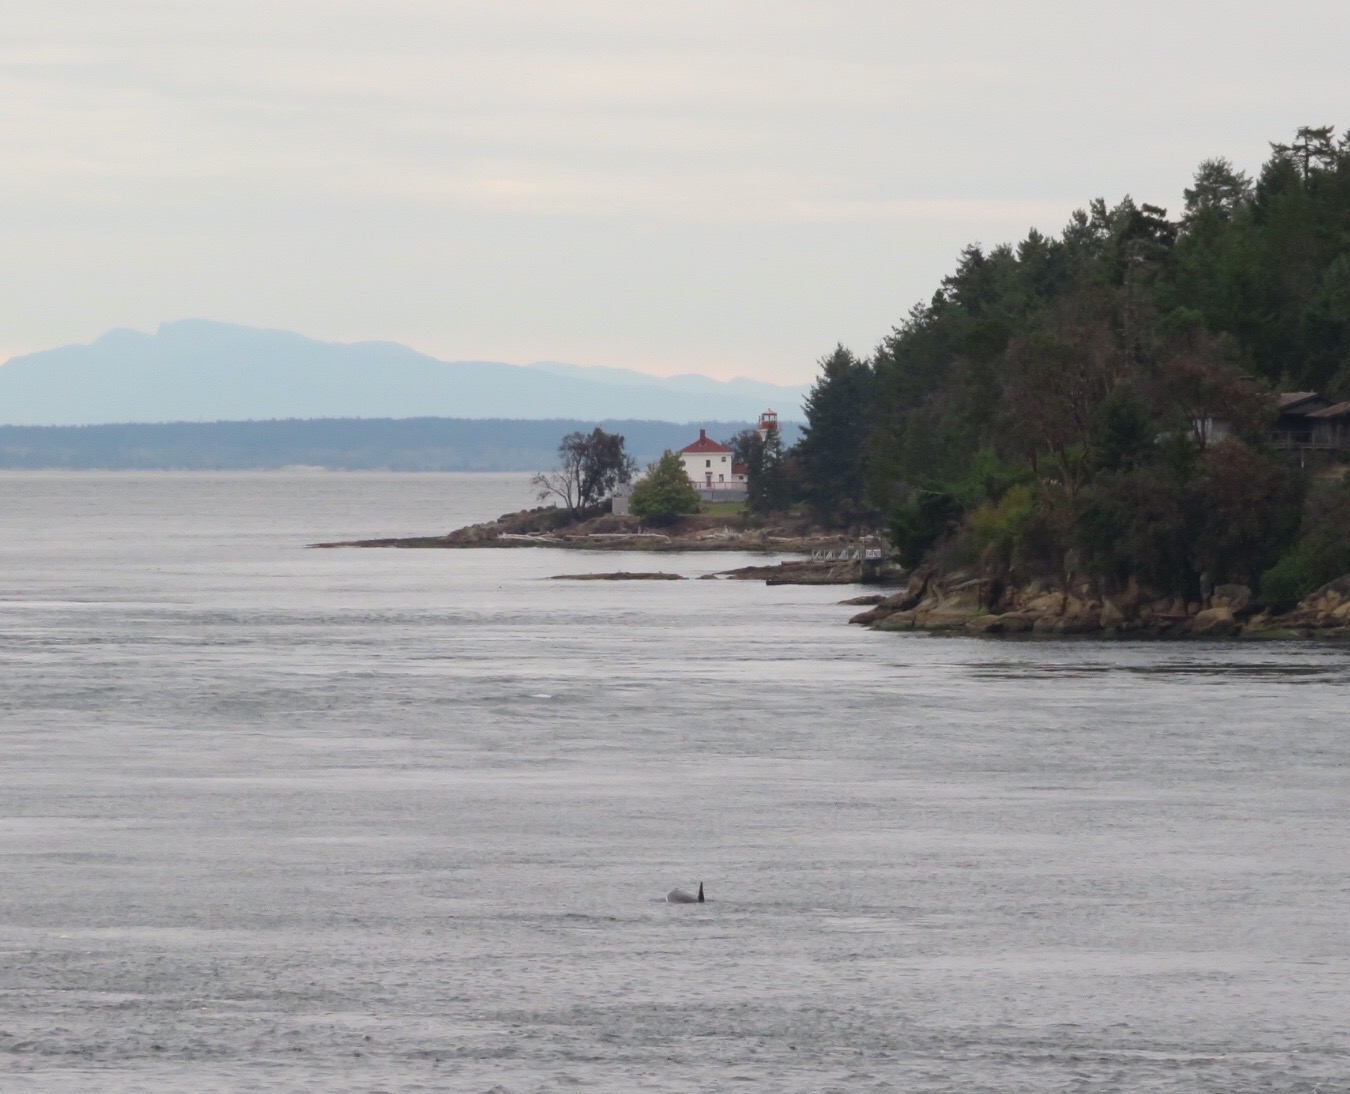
(722, 508)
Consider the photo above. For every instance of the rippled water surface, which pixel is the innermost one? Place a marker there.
(379, 820)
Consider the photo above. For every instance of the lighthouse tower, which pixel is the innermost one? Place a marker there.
(768, 423)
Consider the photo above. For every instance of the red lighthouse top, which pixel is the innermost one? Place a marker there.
(768, 422)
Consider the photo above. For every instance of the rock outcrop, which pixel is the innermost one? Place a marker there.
(971, 605)
(551, 527)
(620, 575)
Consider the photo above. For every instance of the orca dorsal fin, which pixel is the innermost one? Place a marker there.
(700, 892)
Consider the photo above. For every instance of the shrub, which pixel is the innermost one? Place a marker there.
(1137, 523)
(996, 528)
(665, 493)
(918, 522)
(1292, 578)
(1322, 552)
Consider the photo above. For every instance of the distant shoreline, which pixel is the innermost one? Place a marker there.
(494, 445)
(207, 471)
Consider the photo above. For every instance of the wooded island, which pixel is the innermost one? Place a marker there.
(1138, 412)
(1140, 421)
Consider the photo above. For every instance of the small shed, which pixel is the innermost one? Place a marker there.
(621, 500)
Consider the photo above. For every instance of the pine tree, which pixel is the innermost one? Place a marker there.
(831, 450)
(767, 491)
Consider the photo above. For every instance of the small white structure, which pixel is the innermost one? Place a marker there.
(622, 499)
(708, 464)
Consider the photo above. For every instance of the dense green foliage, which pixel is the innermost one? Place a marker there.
(1051, 409)
(1322, 552)
(768, 489)
(829, 456)
(665, 492)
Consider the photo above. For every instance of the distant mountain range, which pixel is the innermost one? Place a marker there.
(195, 370)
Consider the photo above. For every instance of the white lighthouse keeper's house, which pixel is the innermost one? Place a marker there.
(707, 463)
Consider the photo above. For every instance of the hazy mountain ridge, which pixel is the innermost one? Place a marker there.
(197, 370)
(351, 444)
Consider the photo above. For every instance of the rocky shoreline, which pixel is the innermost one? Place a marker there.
(547, 527)
(620, 575)
(971, 605)
(930, 601)
(789, 572)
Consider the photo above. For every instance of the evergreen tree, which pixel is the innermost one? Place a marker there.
(831, 449)
(768, 489)
(744, 446)
(1218, 192)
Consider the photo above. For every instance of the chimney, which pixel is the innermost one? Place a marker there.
(702, 434)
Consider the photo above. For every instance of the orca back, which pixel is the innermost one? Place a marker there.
(684, 896)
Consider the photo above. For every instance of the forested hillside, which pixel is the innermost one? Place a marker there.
(1100, 404)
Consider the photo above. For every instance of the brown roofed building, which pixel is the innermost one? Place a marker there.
(1293, 428)
(1331, 427)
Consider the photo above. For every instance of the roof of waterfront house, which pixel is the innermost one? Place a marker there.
(704, 444)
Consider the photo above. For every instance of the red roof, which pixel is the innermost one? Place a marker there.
(704, 445)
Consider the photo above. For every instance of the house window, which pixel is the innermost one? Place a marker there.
(707, 463)
(721, 478)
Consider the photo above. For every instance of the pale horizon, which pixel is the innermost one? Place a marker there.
(722, 189)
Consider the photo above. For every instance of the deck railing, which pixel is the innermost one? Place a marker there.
(1287, 439)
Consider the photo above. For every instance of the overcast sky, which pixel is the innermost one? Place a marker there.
(728, 187)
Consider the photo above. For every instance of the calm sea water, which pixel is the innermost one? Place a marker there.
(277, 819)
